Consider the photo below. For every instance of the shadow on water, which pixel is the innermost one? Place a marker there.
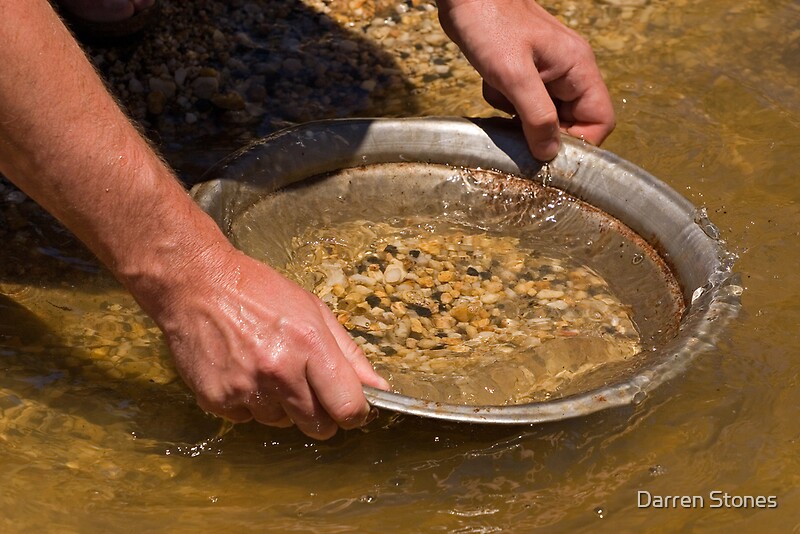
(19, 327)
(44, 373)
(60, 335)
(38, 251)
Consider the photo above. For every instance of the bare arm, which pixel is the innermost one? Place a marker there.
(248, 342)
(532, 66)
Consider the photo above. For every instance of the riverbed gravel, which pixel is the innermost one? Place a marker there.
(250, 67)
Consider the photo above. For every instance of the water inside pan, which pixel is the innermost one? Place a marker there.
(470, 287)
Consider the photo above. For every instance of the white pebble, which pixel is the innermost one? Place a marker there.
(558, 304)
(490, 298)
(548, 294)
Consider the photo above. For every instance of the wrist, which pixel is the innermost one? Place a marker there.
(181, 257)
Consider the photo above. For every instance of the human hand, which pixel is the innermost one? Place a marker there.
(253, 345)
(532, 66)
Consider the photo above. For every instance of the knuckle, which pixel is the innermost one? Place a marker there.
(547, 117)
(268, 365)
(225, 397)
(349, 414)
(545, 121)
(582, 48)
(508, 74)
(301, 332)
(310, 336)
(277, 375)
(218, 406)
(211, 401)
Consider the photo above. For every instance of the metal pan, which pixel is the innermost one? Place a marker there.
(678, 232)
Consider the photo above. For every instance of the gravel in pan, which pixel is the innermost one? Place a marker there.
(465, 318)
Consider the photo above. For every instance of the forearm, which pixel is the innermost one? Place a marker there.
(67, 144)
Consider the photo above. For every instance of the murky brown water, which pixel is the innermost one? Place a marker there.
(97, 435)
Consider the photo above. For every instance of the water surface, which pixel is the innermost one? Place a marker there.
(96, 433)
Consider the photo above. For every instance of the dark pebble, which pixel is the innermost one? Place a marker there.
(391, 249)
(472, 271)
(387, 350)
(414, 253)
(422, 311)
(372, 259)
(595, 290)
(356, 332)
(256, 93)
(486, 275)
(373, 301)
(203, 105)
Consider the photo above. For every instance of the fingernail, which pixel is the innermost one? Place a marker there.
(547, 150)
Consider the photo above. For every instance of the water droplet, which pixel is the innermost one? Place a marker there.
(700, 291)
(697, 294)
(657, 470)
(702, 220)
(600, 512)
(639, 397)
(735, 290)
(637, 259)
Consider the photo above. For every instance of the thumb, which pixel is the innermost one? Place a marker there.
(353, 352)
